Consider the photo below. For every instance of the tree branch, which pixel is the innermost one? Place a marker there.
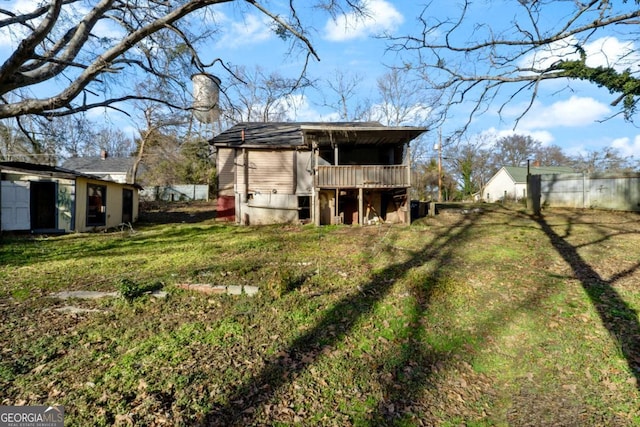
(286, 25)
(27, 47)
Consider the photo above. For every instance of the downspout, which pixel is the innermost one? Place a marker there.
(245, 172)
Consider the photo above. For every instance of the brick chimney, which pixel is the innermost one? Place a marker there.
(103, 154)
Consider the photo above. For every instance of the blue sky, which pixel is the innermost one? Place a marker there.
(567, 116)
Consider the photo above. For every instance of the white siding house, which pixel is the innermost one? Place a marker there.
(324, 173)
(511, 182)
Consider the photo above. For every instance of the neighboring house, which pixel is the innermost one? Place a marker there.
(325, 173)
(118, 169)
(43, 198)
(511, 181)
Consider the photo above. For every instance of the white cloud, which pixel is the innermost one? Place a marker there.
(249, 31)
(626, 147)
(611, 52)
(605, 52)
(300, 109)
(573, 112)
(380, 16)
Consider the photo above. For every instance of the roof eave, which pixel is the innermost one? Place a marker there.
(337, 128)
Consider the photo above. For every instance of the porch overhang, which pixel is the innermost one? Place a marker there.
(328, 135)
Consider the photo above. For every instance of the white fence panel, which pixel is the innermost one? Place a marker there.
(615, 191)
(176, 193)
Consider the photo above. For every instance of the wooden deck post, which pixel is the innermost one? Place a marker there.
(360, 206)
(336, 207)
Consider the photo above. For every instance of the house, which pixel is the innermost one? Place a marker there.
(511, 181)
(324, 173)
(118, 169)
(42, 198)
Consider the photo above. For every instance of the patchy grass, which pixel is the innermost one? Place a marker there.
(490, 318)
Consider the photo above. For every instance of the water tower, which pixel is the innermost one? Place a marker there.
(206, 93)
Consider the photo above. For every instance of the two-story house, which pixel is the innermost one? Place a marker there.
(325, 173)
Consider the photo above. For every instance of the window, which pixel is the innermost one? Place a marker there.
(304, 208)
(96, 204)
(127, 205)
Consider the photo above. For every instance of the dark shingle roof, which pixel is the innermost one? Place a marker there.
(302, 134)
(100, 165)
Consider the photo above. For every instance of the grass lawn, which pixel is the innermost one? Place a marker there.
(480, 318)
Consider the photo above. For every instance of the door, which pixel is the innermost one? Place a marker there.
(43, 205)
(14, 197)
(96, 205)
(127, 205)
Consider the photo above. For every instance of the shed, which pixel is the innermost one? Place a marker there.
(42, 198)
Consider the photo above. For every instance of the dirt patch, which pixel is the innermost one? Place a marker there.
(177, 212)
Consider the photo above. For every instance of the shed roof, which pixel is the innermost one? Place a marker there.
(306, 134)
(519, 173)
(51, 171)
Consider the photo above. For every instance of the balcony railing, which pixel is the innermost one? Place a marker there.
(362, 176)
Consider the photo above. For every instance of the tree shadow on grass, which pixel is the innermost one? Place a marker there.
(412, 396)
(620, 320)
(332, 329)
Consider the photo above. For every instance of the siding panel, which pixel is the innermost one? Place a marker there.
(271, 170)
(226, 171)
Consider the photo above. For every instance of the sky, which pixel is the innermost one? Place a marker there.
(572, 117)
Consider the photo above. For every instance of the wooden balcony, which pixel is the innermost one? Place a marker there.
(360, 176)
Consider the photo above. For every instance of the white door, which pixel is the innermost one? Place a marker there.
(15, 206)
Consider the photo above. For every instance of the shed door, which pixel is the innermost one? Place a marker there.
(43, 205)
(127, 205)
(15, 206)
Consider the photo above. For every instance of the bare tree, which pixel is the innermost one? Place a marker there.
(498, 61)
(402, 99)
(13, 144)
(339, 93)
(257, 96)
(64, 41)
(514, 150)
(552, 155)
(159, 144)
(605, 160)
(114, 141)
(28, 140)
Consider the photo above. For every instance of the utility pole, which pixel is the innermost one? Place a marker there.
(439, 148)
